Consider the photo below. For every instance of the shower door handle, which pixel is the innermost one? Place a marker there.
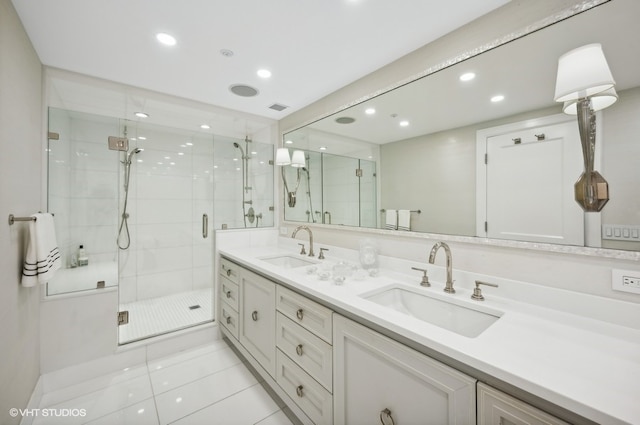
(205, 226)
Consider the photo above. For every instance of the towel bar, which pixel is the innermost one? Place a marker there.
(413, 211)
(13, 219)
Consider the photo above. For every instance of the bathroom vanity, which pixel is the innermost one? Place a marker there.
(362, 352)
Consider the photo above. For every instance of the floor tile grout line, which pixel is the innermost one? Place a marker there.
(222, 347)
(197, 379)
(209, 405)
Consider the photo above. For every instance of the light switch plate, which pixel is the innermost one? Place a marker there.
(625, 280)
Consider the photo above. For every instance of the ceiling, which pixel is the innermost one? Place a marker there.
(312, 48)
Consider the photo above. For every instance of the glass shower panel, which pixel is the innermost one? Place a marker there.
(243, 178)
(368, 194)
(166, 271)
(82, 195)
(341, 190)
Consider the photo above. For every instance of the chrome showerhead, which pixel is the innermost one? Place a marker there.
(133, 152)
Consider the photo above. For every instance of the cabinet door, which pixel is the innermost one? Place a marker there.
(498, 408)
(378, 380)
(257, 332)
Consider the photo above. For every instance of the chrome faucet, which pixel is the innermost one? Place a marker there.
(432, 257)
(293, 235)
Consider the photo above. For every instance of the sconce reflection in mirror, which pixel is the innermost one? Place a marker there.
(585, 84)
(297, 161)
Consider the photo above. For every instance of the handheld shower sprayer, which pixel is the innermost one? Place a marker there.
(131, 153)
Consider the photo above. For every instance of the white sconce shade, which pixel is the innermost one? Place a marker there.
(282, 156)
(582, 72)
(298, 159)
(598, 101)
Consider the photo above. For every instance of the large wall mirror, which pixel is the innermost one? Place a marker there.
(429, 141)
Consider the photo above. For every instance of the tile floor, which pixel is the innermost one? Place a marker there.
(206, 385)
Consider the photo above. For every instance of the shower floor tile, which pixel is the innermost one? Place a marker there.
(155, 316)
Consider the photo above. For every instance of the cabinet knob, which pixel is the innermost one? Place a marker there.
(228, 294)
(386, 418)
(228, 320)
(299, 314)
(228, 272)
(299, 349)
(299, 390)
(254, 316)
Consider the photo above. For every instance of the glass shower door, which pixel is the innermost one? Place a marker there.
(165, 233)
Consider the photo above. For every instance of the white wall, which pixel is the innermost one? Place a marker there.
(20, 194)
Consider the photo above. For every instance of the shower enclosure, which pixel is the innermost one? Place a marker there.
(145, 208)
(332, 189)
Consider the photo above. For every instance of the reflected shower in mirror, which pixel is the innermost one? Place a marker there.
(448, 142)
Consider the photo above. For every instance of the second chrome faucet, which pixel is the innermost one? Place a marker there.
(432, 257)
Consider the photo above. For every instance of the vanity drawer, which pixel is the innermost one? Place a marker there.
(230, 270)
(308, 314)
(229, 293)
(311, 397)
(306, 350)
(229, 319)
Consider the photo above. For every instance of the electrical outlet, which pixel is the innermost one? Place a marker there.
(625, 280)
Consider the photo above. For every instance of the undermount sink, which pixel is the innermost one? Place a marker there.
(287, 261)
(456, 318)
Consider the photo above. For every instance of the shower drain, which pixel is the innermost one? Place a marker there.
(194, 307)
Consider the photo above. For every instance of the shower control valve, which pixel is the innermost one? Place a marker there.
(303, 251)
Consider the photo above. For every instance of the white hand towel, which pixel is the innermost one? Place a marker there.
(391, 220)
(43, 255)
(404, 220)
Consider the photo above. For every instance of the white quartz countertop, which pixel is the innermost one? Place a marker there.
(589, 367)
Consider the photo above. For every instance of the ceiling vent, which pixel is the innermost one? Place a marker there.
(242, 90)
(278, 107)
(345, 120)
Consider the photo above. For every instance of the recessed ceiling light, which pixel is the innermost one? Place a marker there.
(142, 138)
(204, 127)
(141, 115)
(370, 111)
(264, 73)
(467, 76)
(497, 98)
(166, 39)
(323, 148)
(254, 153)
(180, 153)
(189, 144)
(288, 142)
(404, 123)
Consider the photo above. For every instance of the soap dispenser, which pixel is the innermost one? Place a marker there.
(83, 260)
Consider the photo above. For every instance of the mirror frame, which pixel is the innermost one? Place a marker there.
(474, 240)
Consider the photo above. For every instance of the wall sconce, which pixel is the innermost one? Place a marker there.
(585, 84)
(297, 161)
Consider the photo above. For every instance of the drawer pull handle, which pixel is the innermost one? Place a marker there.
(228, 294)
(228, 320)
(299, 390)
(228, 272)
(299, 314)
(299, 349)
(254, 316)
(386, 413)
